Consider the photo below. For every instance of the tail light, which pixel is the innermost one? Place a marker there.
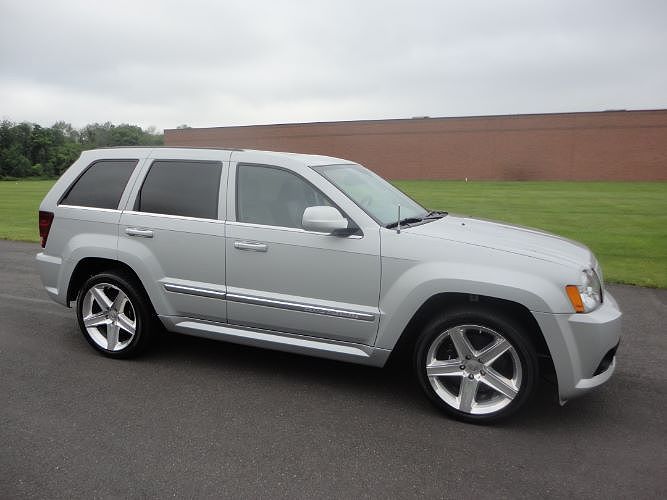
(45, 220)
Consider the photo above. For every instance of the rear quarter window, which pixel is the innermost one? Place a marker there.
(101, 184)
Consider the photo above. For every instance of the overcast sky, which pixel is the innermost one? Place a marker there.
(228, 62)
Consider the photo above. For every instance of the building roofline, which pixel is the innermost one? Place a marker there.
(422, 118)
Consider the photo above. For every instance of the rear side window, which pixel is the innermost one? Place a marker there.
(188, 188)
(101, 185)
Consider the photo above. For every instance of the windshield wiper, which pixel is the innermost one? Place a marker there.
(429, 216)
(402, 222)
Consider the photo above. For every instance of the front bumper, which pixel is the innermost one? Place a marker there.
(582, 346)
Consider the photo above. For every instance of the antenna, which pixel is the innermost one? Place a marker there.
(398, 224)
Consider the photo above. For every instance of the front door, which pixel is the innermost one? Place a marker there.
(282, 277)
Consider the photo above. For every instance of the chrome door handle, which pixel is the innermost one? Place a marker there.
(142, 233)
(253, 246)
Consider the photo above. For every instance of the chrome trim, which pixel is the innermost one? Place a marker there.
(300, 307)
(192, 290)
(290, 229)
(171, 216)
(266, 226)
(259, 301)
(89, 208)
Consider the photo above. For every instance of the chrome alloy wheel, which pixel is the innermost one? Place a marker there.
(474, 369)
(109, 317)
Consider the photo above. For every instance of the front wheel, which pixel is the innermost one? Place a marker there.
(476, 365)
(115, 315)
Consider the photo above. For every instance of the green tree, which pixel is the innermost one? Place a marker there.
(69, 132)
(126, 135)
(30, 149)
(62, 157)
(13, 163)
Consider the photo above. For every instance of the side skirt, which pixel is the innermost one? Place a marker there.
(288, 342)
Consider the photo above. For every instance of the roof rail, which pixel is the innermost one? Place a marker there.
(170, 147)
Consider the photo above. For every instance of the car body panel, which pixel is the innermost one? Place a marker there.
(280, 341)
(322, 273)
(578, 343)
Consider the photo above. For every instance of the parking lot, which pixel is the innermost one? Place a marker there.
(198, 418)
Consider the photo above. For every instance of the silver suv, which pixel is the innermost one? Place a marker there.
(318, 255)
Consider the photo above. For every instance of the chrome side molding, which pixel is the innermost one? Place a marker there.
(260, 301)
(300, 307)
(191, 290)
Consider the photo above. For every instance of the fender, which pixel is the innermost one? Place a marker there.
(423, 281)
(79, 248)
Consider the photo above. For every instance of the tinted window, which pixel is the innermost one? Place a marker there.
(272, 196)
(188, 188)
(101, 185)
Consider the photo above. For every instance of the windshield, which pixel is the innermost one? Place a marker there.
(377, 197)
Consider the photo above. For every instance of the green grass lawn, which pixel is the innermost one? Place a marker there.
(625, 224)
(19, 204)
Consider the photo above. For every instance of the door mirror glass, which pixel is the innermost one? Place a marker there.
(323, 219)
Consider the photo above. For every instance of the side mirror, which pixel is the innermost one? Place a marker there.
(323, 220)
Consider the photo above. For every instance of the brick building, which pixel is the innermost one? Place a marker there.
(610, 145)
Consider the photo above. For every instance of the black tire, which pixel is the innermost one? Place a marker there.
(436, 346)
(139, 311)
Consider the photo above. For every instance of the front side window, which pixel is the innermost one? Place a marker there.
(101, 184)
(176, 187)
(273, 196)
(377, 197)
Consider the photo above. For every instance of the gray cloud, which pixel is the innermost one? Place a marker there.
(241, 62)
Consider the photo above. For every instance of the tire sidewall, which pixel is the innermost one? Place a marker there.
(505, 327)
(142, 313)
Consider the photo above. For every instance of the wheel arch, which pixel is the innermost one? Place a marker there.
(441, 302)
(89, 266)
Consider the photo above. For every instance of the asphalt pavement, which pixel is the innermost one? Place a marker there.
(198, 418)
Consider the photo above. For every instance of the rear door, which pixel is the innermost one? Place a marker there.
(173, 231)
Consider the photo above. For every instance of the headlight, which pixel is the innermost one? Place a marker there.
(586, 296)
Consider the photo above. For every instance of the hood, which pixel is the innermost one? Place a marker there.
(507, 237)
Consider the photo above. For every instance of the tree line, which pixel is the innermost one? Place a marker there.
(30, 150)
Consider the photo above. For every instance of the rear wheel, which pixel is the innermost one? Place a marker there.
(476, 365)
(115, 315)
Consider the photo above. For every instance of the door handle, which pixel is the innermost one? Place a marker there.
(252, 246)
(142, 233)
